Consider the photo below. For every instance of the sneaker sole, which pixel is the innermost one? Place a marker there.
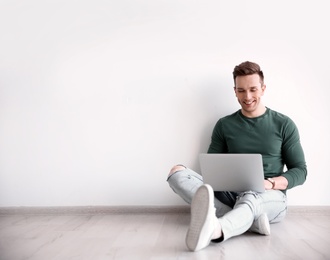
(201, 205)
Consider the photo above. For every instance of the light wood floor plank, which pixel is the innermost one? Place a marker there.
(152, 236)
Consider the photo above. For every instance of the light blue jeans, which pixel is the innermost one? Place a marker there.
(236, 211)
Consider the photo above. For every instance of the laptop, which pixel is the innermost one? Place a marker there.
(233, 172)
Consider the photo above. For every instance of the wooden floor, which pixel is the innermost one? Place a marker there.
(302, 235)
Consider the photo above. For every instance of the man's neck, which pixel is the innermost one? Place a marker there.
(259, 112)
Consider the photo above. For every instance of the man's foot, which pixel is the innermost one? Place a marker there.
(261, 225)
(204, 225)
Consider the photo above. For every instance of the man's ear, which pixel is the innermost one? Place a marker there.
(263, 87)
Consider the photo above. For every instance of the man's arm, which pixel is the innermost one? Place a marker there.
(293, 157)
(218, 143)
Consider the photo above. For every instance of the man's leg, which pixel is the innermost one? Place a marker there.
(249, 207)
(185, 182)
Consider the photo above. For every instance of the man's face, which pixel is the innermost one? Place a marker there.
(249, 90)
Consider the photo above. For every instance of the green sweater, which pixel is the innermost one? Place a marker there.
(273, 135)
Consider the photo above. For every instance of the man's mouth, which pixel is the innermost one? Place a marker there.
(248, 102)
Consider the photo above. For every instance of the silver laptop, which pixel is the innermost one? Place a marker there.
(233, 172)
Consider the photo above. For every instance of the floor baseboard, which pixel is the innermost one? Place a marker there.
(95, 210)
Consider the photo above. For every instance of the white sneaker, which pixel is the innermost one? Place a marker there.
(261, 225)
(203, 220)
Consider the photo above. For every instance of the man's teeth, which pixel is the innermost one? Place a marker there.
(248, 103)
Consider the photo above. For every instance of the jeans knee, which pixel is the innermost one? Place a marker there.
(251, 199)
(184, 182)
(176, 168)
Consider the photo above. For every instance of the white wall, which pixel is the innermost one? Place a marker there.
(98, 99)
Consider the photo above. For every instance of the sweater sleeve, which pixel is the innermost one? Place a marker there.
(218, 142)
(293, 156)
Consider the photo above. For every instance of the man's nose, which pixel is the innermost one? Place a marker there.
(247, 95)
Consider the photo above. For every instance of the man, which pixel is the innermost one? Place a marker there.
(217, 216)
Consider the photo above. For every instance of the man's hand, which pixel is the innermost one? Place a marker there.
(281, 183)
(268, 185)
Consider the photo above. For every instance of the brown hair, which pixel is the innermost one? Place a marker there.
(248, 68)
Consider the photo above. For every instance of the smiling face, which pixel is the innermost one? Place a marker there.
(249, 89)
